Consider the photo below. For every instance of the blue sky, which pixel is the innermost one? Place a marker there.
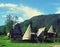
(26, 9)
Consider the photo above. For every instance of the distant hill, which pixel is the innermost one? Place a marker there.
(42, 21)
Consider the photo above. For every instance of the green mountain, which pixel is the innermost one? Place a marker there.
(42, 21)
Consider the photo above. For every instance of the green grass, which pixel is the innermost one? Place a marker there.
(4, 42)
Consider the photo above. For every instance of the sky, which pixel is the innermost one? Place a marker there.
(26, 9)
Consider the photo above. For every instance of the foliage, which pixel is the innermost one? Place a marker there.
(4, 42)
(3, 30)
(10, 21)
(25, 27)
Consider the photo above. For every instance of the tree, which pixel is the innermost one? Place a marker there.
(9, 23)
(16, 18)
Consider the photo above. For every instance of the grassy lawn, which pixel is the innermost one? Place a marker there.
(4, 42)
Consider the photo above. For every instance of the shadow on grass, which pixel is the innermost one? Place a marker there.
(2, 44)
(23, 41)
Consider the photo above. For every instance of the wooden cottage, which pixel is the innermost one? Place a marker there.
(51, 32)
(16, 33)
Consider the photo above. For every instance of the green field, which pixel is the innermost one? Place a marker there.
(4, 42)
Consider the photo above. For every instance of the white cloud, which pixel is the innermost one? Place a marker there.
(4, 16)
(58, 11)
(30, 12)
(20, 19)
(27, 11)
(8, 5)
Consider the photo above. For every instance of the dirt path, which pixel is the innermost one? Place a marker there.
(55, 45)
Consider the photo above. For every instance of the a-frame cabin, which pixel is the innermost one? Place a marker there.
(51, 32)
(40, 33)
(16, 33)
(27, 34)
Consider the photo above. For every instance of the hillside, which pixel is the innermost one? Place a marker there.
(42, 21)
